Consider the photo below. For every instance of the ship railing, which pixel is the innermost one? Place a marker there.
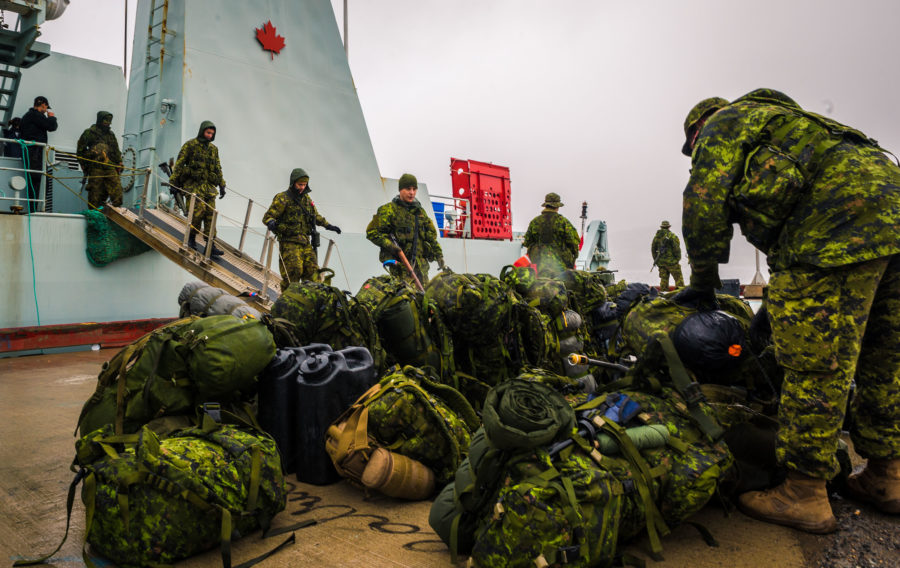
(188, 203)
(19, 185)
(453, 216)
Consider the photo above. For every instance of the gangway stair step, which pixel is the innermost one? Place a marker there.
(234, 272)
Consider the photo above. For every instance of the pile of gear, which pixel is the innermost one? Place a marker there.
(552, 418)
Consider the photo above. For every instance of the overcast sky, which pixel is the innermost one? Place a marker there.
(582, 97)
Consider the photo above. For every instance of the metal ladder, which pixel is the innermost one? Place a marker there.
(10, 76)
(150, 100)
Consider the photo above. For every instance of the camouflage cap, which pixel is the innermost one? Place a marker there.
(665, 225)
(700, 111)
(407, 180)
(298, 174)
(552, 200)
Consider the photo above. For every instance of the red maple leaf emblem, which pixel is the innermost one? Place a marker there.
(269, 39)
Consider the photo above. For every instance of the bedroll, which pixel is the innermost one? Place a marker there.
(173, 369)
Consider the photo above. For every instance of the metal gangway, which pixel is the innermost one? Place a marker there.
(165, 230)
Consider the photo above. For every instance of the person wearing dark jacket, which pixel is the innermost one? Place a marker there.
(36, 123)
(13, 132)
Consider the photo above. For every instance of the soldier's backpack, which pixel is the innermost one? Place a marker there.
(410, 327)
(171, 370)
(410, 414)
(476, 307)
(586, 289)
(324, 314)
(567, 503)
(151, 501)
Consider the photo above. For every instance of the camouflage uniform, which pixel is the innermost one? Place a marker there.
(198, 171)
(415, 233)
(666, 251)
(100, 159)
(823, 202)
(551, 240)
(295, 219)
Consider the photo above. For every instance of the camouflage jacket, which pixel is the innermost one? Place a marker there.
(96, 145)
(666, 248)
(827, 194)
(410, 225)
(295, 217)
(552, 230)
(198, 168)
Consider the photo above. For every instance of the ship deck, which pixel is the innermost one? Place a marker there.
(41, 397)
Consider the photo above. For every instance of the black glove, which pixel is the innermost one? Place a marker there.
(221, 192)
(334, 228)
(271, 225)
(703, 299)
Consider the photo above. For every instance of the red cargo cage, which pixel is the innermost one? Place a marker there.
(481, 193)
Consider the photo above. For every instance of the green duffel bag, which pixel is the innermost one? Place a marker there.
(174, 368)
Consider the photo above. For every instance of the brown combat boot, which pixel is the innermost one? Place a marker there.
(879, 484)
(801, 502)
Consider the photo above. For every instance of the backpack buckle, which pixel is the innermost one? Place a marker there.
(213, 410)
(692, 394)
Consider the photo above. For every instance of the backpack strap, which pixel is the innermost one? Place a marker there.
(689, 390)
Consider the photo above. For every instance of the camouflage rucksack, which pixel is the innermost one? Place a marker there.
(151, 501)
(476, 307)
(171, 370)
(409, 326)
(324, 314)
(409, 413)
(586, 290)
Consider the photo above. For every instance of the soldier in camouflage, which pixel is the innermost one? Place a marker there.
(823, 202)
(551, 240)
(404, 220)
(198, 170)
(666, 251)
(292, 218)
(101, 162)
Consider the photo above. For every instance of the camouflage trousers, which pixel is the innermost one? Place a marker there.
(297, 262)
(103, 184)
(420, 267)
(204, 205)
(831, 328)
(665, 271)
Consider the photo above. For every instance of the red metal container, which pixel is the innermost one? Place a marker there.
(486, 188)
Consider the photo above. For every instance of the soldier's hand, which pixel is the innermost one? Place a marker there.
(221, 192)
(395, 250)
(703, 299)
(441, 264)
(334, 228)
(271, 225)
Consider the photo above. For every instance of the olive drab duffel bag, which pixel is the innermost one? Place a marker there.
(410, 414)
(151, 501)
(173, 369)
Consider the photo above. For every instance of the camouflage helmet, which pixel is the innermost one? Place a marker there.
(700, 111)
(552, 200)
(407, 180)
(665, 225)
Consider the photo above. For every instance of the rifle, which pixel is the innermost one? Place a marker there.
(407, 264)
